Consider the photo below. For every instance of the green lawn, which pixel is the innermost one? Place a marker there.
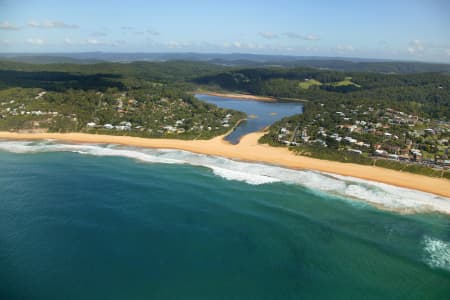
(345, 82)
(306, 84)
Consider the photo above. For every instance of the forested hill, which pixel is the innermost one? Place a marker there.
(101, 75)
(424, 93)
(377, 67)
(238, 60)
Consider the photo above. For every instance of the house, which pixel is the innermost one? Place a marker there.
(284, 131)
(169, 128)
(355, 151)
(122, 127)
(393, 156)
(382, 153)
(125, 123)
(415, 155)
(430, 131)
(350, 140)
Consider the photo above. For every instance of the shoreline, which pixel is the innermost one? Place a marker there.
(249, 150)
(238, 96)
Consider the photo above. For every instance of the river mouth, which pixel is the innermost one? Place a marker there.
(260, 114)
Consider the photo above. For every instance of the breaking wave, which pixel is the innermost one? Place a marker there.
(387, 196)
(436, 253)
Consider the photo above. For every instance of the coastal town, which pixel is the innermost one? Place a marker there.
(116, 113)
(371, 131)
(360, 132)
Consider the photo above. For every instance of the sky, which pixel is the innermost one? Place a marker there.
(416, 30)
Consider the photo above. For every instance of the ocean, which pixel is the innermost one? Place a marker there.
(114, 222)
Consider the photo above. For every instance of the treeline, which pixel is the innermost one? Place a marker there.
(127, 73)
(426, 94)
(239, 60)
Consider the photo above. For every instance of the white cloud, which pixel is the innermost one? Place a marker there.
(127, 28)
(344, 48)
(51, 24)
(99, 33)
(311, 37)
(68, 41)
(176, 45)
(416, 47)
(149, 32)
(268, 35)
(173, 45)
(447, 51)
(36, 41)
(8, 26)
(293, 35)
(94, 42)
(238, 45)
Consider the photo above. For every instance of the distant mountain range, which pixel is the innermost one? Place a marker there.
(236, 59)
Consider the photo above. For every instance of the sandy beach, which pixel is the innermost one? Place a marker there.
(249, 150)
(239, 96)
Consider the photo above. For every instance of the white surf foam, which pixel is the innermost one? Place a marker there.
(385, 195)
(436, 253)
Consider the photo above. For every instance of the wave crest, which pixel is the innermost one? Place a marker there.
(387, 196)
(437, 253)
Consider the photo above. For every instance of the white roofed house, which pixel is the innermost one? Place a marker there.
(284, 130)
(170, 128)
(125, 123)
(387, 135)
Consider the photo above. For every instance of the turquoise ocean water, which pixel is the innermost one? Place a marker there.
(109, 222)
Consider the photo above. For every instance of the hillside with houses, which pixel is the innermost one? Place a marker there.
(136, 113)
(365, 133)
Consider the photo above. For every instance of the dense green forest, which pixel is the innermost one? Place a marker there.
(423, 94)
(426, 94)
(237, 60)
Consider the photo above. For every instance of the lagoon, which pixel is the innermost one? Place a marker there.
(260, 114)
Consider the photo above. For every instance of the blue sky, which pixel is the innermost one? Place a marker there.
(407, 30)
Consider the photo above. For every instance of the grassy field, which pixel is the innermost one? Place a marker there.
(311, 82)
(306, 84)
(345, 82)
